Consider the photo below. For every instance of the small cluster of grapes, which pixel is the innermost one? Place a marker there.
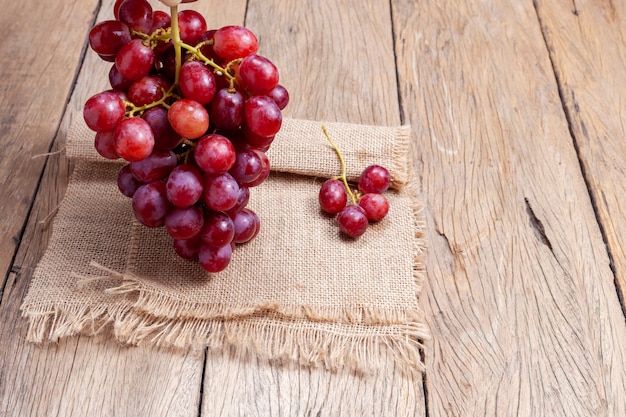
(193, 111)
(368, 204)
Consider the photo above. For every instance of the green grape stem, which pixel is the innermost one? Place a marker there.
(343, 176)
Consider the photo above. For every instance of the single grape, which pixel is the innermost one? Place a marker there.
(247, 167)
(352, 221)
(220, 191)
(214, 154)
(375, 205)
(214, 259)
(160, 20)
(197, 82)
(150, 204)
(134, 140)
(184, 223)
(263, 115)
(246, 225)
(126, 182)
(188, 118)
(374, 179)
(187, 248)
(184, 185)
(218, 230)
(258, 75)
(106, 38)
(104, 111)
(280, 95)
(117, 80)
(134, 60)
(137, 14)
(226, 110)
(192, 25)
(265, 169)
(104, 143)
(156, 166)
(164, 136)
(333, 196)
(231, 42)
(149, 89)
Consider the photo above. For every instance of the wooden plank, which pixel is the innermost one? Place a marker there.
(587, 42)
(519, 294)
(36, 52)
(82, 376)
(336, 59)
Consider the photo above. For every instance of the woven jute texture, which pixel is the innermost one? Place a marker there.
(299, 292)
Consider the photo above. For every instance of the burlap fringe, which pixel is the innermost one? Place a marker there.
(279, 342)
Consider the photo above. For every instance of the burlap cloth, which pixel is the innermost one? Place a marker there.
(298, 292)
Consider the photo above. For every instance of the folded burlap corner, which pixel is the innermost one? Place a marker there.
(299, 292)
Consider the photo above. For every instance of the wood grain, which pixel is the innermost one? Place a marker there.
(35, 52)
(520, 296)
(587, 42)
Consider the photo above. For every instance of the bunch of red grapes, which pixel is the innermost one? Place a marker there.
(193, 111)
(368, 205)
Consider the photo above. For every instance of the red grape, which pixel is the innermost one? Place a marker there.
(105, 144)
(258, 75)
(246, 225)
(192, 25)
(150, 204)
(134, 60)
(352, 221)
(231, 42)
(214, 259)
(243, 196)
(134, 140)
(126, 182)
(117, 80)
(265, 169)
(104, 111)
(255, 140)
(197, 82)
(160, 20)
(226, 111)
(218, 230)
(280, 95)
(184, 223)
(188, 118)
(220, 191)
(214, 154)
(106, 38)
(375, 205)
(333, 196)
(184, 185)
(263, 115)
(247, 167)
(374, 179)
(137, 14)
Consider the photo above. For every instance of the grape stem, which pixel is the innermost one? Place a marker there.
(343, 176)
(198, 54)
(177, 42)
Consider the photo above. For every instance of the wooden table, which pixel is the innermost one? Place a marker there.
(519, 141)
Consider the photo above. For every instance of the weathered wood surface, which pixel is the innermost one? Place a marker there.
(520, 294)
(587, 45)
